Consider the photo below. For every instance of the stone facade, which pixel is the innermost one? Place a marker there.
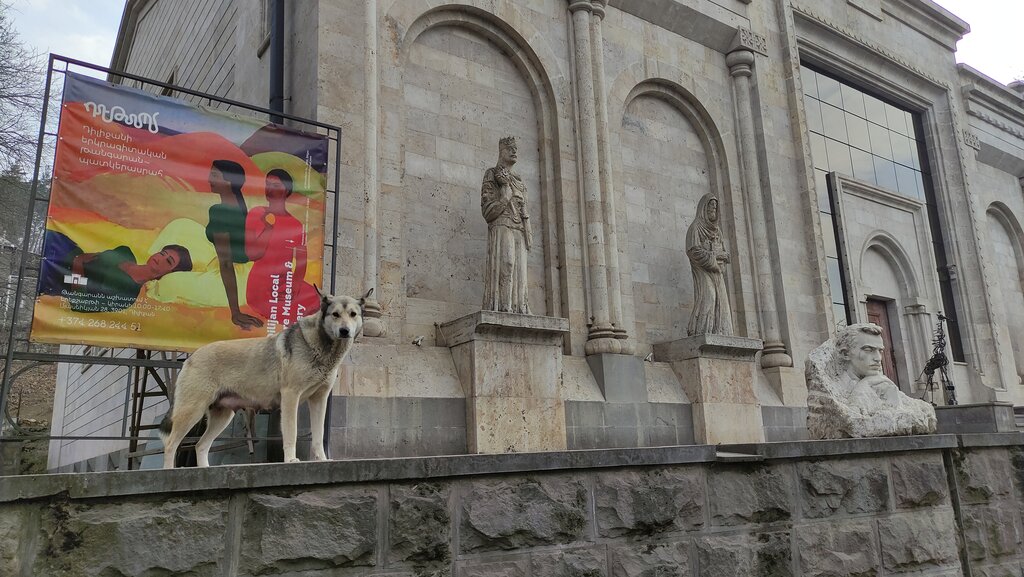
(932, 506)
(626, 114)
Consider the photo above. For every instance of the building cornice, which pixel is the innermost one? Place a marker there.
(126, 35)
(929, 19)
(992, 101)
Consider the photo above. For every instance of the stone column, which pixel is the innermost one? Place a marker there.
(607, 190)
(601, 337)
(741, 67)
(373, 326)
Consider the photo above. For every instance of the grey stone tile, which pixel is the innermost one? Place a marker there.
(619, 437)
(339, 418)
(590, 438)
(620, 415)
(660, 436)
(584, 413)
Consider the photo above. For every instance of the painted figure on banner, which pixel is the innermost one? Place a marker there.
(275, 241)
(105, 281)
(509, 237)
(705, 248)
(226, 230)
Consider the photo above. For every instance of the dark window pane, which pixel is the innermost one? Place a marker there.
(828, 236)
(834, 121)
(885, 173)
(880, 141)
(829, 91)
(853, 100)
(821, 190)
(906, 179)
(911, 129)
(920, 184)
(839, 157)
(813, 109)
(919, 150)
(835, 280)
(809, 79)
(874, 109)
(857, 130)
(895, 119)
(902, 152)
(863, 165)
(818, 155)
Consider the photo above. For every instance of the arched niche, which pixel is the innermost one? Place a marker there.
(670, 155)
(467, 79)
(1007, 252)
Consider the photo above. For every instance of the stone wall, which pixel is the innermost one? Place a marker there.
(939, 505)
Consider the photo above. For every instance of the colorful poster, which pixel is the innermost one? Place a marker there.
(171, 225)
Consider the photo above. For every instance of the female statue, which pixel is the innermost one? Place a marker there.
(708, 257)
(503, 203)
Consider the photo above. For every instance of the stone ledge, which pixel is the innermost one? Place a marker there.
(841, 447)
(485, 325)
(991, 439)
(191, 480)
(708, 346)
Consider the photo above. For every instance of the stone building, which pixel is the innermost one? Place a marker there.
(862, 174)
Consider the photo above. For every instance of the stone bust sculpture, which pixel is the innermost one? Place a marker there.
(848, 396)
(708, 258)
(509, 237)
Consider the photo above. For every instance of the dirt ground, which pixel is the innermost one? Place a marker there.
(31, 398)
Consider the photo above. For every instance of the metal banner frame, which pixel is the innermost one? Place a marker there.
(18, 345)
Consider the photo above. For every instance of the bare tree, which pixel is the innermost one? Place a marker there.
(21, 95)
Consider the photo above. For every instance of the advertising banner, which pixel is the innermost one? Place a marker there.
(171, 225)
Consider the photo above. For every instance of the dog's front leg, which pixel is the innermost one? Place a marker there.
(289, 413)
(317, 415)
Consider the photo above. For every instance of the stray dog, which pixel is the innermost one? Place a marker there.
(298, 364)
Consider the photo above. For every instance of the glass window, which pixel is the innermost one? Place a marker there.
(895, 119)
(880, 145)
(853, 100)
(857, 130)
(839, 157)
(885, 173)
(874, 110)
(902, 150)
(834, 122)
(813, 115)
(818, 154)
(829, 91)
(810, 81)
(821, 188)
(835, 280)
(863, 165)
(828, 234)
(906, 179)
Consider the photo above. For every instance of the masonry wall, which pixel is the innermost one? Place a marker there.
(930, 506)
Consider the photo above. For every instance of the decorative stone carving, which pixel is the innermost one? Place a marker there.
(503, 203)
(848, 396)
(708, 257)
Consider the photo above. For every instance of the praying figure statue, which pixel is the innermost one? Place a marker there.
(849, 396)
(708, 258)
(503, 203)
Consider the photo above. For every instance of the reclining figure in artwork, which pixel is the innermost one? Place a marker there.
(848, 396)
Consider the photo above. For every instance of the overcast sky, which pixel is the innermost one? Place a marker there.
(86, 30)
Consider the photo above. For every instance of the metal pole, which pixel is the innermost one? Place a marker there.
(25, 244)
(276, 59)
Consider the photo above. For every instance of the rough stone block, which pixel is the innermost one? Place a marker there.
(991, 531)
(511, 567)
(312, 530)
(648, 502)
(11, 521)
(918, 541)
(759, 494)
(983, 474)
(182, 537)
(420, 525)
(1007, 570)
(760, 555)
(919, 480)
(661, 560)
(524, 512)
(838, 548)
(590, 562)
(843, 486)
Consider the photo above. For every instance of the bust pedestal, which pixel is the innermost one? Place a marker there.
(717, 373)
(510, 366)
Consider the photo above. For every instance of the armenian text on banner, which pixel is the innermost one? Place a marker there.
(171, 225)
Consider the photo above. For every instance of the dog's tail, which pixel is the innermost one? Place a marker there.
(165, 427)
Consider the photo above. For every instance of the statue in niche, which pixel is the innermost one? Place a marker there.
(503, 203)
(848, 396)
(708, 258)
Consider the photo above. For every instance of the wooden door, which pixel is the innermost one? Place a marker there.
(878, 314)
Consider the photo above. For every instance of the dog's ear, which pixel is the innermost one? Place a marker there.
(362, 301)
(323, 297)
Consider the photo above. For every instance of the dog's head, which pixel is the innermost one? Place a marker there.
(341, 317)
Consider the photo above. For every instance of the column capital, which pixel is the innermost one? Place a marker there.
(598, 7)
(740, 62)
(577, 5)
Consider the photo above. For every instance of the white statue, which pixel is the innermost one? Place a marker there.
(503, 203)
(848, 396)
(708, 257)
